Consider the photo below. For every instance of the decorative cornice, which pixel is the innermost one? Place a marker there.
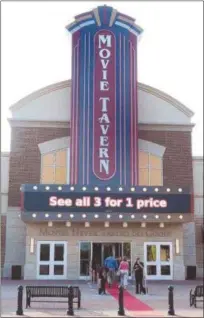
(54, 145)
(65, 124)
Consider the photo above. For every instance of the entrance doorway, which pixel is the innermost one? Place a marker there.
(51, 260)
(158, 260)
(102, 250)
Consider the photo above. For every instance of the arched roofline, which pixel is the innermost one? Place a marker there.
(61, 85)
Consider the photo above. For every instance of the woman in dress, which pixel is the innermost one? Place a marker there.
(123, 272)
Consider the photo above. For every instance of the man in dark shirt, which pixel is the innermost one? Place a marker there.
(139, 269)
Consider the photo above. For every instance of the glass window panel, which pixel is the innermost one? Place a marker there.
(48, 175)
(58, 269)
(143, 176)
(165, 253)
(143, 159)
(59, 252)
(151, 270)
(165, 270)
(84, 268)
(85, 251)
(44, 252)
(118, 250)
(155, 162)
(151, 253)
(60, 175)
(155, 177)
(61, 158)
(48, 160)
(44, 269)
(127, 250)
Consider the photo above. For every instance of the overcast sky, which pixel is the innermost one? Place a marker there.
(36, 51)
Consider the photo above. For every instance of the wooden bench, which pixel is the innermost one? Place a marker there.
(196, 295)
(52, 292)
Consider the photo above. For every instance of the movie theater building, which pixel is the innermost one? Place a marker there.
(99, 164)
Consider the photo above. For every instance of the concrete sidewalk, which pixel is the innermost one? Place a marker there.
(93, 305)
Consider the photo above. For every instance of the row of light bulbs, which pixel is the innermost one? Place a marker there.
(107, 189)
(106, 224)
(96, 216)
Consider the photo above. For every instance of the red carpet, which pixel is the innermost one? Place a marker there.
(130, 302)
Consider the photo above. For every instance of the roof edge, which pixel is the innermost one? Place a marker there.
(60, 85)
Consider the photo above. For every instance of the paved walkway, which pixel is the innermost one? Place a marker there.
(94, 305)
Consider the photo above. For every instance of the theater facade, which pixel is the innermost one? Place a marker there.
(99, 164)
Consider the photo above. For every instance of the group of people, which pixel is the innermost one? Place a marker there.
(118, 268)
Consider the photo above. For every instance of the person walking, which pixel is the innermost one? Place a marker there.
(123, 272)
(94, 271)
(111, 264)
(139, 274)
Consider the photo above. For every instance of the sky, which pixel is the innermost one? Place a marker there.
(36, 51)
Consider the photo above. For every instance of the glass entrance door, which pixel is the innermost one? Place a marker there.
(51, 260)
(158, 260)
(108, 249)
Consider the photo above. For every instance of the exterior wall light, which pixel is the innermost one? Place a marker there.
(68, 224)
(177, 246)
(50, 224)
(59, 215)
(106, 224)
(87, 224)
(32, 244)
(34, 215)
(47, 215)
(161, 224)
(143, 224)
(125, 224)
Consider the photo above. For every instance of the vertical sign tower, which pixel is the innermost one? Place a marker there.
(104, 118)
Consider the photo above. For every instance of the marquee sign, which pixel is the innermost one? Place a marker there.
(137, 202)
(103, 146)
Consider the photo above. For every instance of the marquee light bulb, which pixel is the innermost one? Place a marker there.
(120, 216)
(168, 190)
(156, 216)
(144, 189)
(83, 216)
(108, 188)
(72, 188)
(84, 188)
(132, 216)
(35, 187)
(108, 216)
(34, 215)
(47, 188)
(169, 217)
(132, 189)
(120, 189)
(59, 188)
(181, 217)
(59, 215)
(156, 189)
(96, 188)
(71, 216)
(47, 215)
(96, 216)
(180, 190)
(144, 216)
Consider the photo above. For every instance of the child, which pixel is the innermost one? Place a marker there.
(102, 281)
